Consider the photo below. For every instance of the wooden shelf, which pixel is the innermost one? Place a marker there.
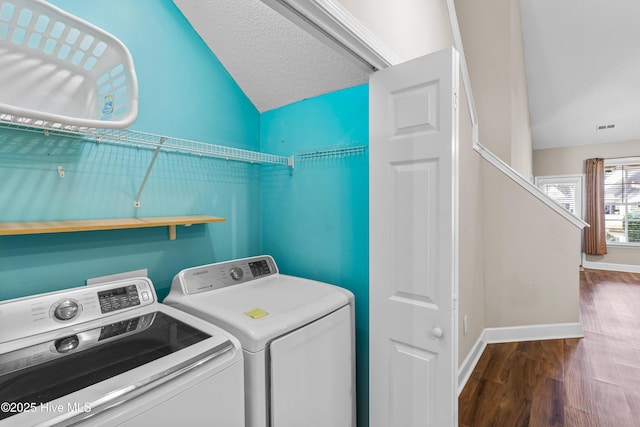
(40, 227)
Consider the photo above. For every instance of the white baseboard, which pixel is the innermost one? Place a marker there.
(513, 334)
(627, 268)
(533, 332)
(470, 362)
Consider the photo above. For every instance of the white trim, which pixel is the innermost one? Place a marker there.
(621, 161)
(513, 334)
(629, 245)
(466, 368)
(333, 24)
(533, 332)
(560, 177)
(627, 268)
(527, 185)
(347, 28)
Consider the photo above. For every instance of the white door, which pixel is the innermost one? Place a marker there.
(413, 245)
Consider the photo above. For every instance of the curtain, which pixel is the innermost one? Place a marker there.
(595, 236)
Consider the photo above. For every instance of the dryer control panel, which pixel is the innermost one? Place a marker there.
(27, 316)
(215, 276)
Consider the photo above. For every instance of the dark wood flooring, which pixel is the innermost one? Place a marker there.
(589, 382)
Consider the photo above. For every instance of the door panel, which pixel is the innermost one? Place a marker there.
(413, 251)
(412, 372)
(413, 212)
(414, 109)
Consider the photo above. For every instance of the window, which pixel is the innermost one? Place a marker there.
(622, 200)
(565, 190)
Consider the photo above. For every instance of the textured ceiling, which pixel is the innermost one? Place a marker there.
(583, 70)
(274, 61)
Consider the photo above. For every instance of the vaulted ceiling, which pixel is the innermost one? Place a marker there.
(583, 70)
(274, 61)
(582, 61)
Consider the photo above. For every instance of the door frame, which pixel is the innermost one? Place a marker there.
(331, 23)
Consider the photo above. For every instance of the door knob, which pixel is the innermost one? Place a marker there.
(437, 332)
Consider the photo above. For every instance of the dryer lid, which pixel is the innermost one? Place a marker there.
(258, 311)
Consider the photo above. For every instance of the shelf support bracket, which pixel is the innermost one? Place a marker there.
(136, 201)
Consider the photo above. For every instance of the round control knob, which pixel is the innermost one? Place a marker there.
(236, 273)
(66, 344)
(66, 309)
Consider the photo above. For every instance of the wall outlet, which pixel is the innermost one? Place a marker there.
(465, 324)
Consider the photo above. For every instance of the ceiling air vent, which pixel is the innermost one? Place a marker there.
(603, 127)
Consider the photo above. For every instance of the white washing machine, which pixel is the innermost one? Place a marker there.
(111, 354)
(297, 336)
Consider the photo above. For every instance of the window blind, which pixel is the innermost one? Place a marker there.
(622, 202)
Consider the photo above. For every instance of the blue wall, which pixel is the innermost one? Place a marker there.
(315, 221)
(184, 92)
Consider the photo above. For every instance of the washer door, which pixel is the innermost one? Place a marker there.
(312, 374)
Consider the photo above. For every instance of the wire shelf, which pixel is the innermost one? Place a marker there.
(332, 152)
(142, 140)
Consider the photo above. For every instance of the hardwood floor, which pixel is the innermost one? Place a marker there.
(588, 382)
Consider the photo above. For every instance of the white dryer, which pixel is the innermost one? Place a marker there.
(297, 337)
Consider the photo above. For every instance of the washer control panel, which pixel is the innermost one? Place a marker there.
(223, 274)
(118, 298)
(45, 312)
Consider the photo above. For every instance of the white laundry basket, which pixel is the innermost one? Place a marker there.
(62, 71)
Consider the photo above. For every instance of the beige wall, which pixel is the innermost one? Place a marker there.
(492, 38)
(570, 161)
(471, 236)
(521, 143)
(531, 257)
(485, 27)
(530, 254)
